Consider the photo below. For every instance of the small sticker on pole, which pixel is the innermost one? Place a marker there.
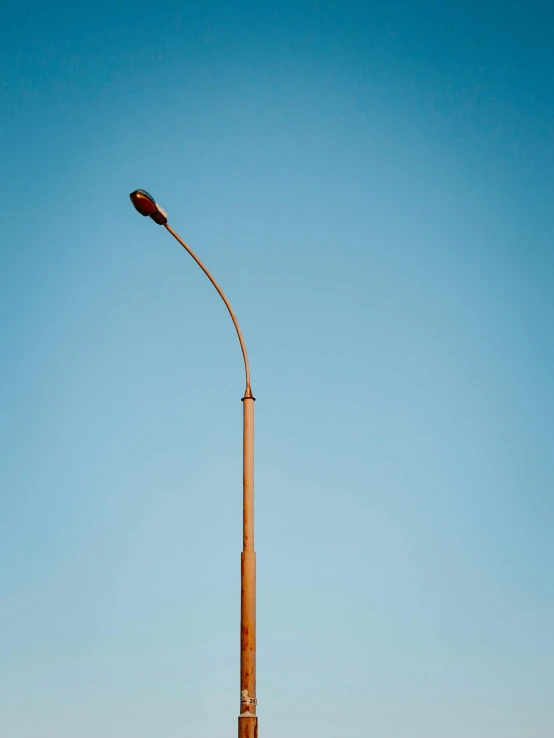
(246, 700)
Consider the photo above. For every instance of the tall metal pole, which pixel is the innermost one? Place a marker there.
(248, 720)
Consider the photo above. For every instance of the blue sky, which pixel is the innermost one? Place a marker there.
(372, 186)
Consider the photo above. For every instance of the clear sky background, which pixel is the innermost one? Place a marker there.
(372, 184)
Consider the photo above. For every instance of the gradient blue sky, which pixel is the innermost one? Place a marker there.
(372, 184)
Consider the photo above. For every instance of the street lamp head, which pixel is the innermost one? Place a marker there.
(146, 205)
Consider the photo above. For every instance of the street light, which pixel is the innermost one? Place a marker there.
(248, 721)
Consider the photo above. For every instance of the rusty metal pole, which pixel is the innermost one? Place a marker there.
(248, 720)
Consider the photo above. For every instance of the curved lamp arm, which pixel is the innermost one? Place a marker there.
(248, 390)
(144, 203)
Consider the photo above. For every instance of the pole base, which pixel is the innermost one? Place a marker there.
(248, 727)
